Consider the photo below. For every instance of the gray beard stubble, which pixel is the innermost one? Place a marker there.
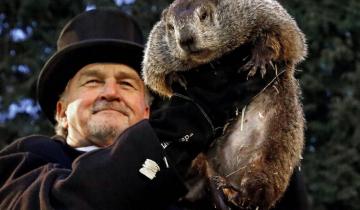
(103, 132)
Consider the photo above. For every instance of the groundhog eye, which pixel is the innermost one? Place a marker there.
(203, 15)
(170, 27)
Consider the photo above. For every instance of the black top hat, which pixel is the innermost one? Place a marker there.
(106, 35)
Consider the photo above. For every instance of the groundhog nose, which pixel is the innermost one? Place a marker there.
(187, 43)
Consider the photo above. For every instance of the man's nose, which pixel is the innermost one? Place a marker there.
(110, 91)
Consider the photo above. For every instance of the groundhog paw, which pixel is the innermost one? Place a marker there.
(256, 64)
(265, 51)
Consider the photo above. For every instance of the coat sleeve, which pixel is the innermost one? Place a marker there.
(107, 178)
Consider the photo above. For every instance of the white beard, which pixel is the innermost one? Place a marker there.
(103, 131)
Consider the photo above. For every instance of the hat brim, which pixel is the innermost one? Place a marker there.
(64, 64)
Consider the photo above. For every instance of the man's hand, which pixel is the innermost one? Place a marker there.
(221, 91)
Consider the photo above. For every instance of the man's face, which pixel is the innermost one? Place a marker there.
(100, 102)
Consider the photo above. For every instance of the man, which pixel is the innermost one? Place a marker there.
(107, 154)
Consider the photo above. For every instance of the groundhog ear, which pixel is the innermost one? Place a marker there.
(215, 2)
(164, 13)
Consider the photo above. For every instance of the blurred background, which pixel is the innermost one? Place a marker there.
(330, 80)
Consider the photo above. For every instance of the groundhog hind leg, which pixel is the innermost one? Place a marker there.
(258, 160)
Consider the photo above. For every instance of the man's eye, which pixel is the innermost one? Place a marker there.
(92, 82)
(126, 83)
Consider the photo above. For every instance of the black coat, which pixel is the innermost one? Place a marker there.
(38, 172)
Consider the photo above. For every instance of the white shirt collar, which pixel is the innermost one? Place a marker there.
(87, 149)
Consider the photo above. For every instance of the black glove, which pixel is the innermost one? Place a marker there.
(210, 90)
(220, 90)
(183, 129)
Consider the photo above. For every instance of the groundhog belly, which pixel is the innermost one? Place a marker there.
(244, 140)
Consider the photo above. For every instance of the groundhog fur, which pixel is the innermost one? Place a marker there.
(251, 164)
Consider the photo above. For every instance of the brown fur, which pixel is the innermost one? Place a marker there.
(252, 166)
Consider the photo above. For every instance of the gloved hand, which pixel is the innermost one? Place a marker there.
(220, 90)
(212, 91)
(183, 129)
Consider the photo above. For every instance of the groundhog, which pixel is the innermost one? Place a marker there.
(251, 164)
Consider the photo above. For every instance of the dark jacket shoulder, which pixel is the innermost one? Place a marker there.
(50, 149)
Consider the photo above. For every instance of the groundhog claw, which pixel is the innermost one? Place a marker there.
(262, 71)
(256, 64)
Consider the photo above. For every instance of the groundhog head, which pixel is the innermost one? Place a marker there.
(195, 32)
(189, 29)
(198, 31)
(184, 38)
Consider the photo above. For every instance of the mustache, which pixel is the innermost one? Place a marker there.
(102, 105)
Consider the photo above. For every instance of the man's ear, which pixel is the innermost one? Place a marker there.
(147, 112)
(60, 116)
